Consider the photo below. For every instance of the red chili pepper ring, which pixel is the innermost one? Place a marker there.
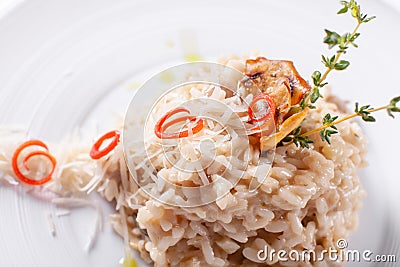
(161, 126)
(269, 113)
(44, 153)
(96, 153)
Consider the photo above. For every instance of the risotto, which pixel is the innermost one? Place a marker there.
(308, 201)
(305, 199)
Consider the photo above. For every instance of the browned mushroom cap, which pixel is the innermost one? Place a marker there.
(270, 74)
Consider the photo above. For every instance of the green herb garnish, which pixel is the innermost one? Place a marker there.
(297, 139)
(328, 127)
(334, 62)
(331, 129)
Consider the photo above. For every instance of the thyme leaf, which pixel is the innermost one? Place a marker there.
(393, 106)
(296, 138)
(330, 129)
(364, 112)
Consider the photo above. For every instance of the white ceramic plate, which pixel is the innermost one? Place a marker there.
(74, 64)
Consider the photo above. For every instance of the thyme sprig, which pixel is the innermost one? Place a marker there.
(334, 62)
(328, 127)
(342, 42)
(329, 122)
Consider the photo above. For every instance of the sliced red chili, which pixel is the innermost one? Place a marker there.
(45, 153)
(161, 126)
(97, 153)
(269, 113)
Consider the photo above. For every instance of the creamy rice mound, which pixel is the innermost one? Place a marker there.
(308, 202)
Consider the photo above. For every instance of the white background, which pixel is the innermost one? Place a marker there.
(6, 4)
